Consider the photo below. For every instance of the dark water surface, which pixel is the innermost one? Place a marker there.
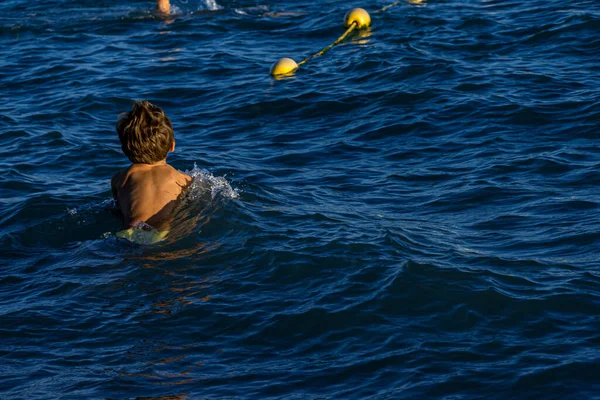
(413, 215)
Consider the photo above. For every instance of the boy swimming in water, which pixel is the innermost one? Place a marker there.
(149, 189)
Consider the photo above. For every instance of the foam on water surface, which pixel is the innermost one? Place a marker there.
(210, 5)
(205, 182)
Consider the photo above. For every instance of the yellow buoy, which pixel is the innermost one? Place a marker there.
(358, 15)
(285, 66)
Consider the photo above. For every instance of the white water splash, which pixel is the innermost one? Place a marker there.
(208, 5)
(212, 5)
(204, 181)
(91, 207)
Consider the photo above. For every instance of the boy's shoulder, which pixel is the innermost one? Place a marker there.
(137, 172)
(170, 172)
(181, 178)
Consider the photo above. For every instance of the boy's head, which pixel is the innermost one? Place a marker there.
(146, 133)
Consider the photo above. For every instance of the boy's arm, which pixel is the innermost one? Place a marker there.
(115, 182)
(113, 188)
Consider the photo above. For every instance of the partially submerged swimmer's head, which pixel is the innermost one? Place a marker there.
(163, 6)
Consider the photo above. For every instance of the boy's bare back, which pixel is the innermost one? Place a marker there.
(149, 189)
(148, 193)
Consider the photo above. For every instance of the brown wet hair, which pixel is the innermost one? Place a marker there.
(146, 133)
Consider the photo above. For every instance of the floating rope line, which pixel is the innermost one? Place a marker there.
(387, 7)
(395, 4)
(326, 49)
(356, 18)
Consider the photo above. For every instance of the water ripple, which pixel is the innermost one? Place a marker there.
(412, 215)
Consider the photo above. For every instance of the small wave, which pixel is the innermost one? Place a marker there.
(204, 182)
(211, 5)
(92, 207)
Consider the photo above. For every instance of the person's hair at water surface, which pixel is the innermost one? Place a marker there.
(146, 133)
(163, 6)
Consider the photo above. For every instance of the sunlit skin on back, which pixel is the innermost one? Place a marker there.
(148, 192)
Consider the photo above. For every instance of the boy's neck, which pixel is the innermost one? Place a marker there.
(156, 164)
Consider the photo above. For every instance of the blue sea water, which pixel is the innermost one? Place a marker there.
(415, 214)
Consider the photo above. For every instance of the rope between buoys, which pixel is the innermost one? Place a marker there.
(395, 4)
(357, 18)
(387, 7)
(326, 49)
